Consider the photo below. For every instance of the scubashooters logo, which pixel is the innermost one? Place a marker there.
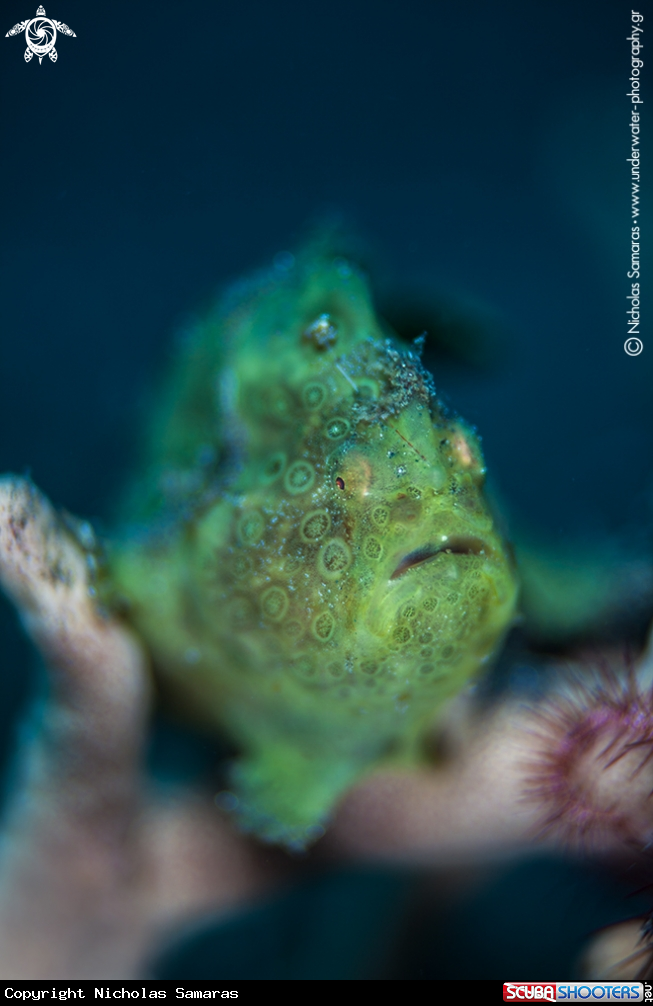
(40, 35)
(573, 992)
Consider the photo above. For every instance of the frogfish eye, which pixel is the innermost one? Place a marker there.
(462, 545)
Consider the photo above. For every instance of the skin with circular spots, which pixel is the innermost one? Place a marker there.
(335, 569)
(372, 548)
(315, 525)
(323, 626)
(380, 516)
(299, 477)
(250, 528)
(274, 604)
(337, 428)
(334, 559)
(314, 395)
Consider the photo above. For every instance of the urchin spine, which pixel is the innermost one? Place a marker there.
(592, 767)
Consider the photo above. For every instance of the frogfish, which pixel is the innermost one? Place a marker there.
(311, 560)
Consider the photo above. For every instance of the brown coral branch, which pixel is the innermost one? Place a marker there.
(94, 871)
(522, 777)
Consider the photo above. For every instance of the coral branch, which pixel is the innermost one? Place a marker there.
(471, 809)
(94, 872)
(575, 772)
(620, 953)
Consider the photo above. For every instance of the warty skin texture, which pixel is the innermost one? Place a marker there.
(320, 569)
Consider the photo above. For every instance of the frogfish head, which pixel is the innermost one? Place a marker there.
(351, 556)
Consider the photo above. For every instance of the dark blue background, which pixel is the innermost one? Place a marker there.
(480, 148)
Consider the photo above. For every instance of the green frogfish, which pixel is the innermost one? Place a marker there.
(311, 563)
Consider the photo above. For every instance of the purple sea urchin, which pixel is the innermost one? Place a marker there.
(592, 772)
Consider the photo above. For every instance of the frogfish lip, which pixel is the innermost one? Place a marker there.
(454, 545)
(424, 567)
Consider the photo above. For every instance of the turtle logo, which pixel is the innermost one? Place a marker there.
(40, 35)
